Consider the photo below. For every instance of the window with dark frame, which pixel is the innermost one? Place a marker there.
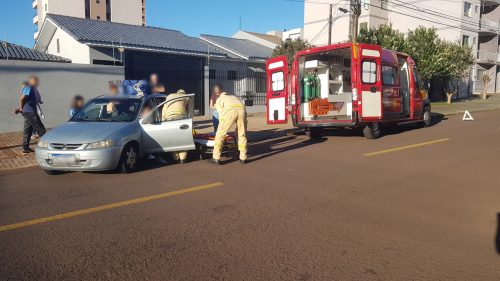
(260, 83)
(232, 75)
(467, 9)
(211, 74)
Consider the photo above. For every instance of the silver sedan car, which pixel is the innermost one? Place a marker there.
(114, 133)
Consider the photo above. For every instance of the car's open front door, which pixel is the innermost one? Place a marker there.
(370, 83)
(167, 128)
(277, 90)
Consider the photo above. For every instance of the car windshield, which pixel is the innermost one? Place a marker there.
(109, 110)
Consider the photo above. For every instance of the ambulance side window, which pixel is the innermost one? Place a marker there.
(418, 84)
(369, 72)
(389, 77)
(278, 81)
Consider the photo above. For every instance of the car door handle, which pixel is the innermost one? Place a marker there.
(184, 127)
(373, 89)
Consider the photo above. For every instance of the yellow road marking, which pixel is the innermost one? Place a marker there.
(405, 147)
(108, 206)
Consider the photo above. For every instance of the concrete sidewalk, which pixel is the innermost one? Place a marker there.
(11, 156)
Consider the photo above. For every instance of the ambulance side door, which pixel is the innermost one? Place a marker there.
(277, 90)
(370, 84)
(416, 102)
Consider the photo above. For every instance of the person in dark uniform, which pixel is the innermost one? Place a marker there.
(28, 107)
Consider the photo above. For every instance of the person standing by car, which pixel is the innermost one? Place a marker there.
(231, 111)
(76, 104)
(176, 109)
(217, 90)
(28, 106)
(155, 85)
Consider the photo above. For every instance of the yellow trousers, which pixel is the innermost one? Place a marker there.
(233, 116)
(181, 155)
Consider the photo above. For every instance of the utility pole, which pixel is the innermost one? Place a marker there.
(355, 13)
(330, 23)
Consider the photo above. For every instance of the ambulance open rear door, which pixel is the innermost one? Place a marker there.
(370, 83)
(277, 90)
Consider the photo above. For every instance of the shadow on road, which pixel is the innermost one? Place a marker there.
(389, 129)
(272, 147)
(497, 240)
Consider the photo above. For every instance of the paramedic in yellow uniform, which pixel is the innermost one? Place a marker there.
(176, 110)
(231, 111)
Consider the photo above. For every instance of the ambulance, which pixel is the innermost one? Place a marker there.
(346, 85)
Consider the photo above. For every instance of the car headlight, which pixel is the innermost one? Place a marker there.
(43, 144)
(100, 144)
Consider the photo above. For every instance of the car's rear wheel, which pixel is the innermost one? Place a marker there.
(372, 131)
(129, 159)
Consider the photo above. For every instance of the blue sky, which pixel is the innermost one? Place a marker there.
(193, 17)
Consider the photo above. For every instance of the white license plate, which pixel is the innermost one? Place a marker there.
(63, 159)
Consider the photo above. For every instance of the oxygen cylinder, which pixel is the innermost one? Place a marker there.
(314, 86)
(307, 87)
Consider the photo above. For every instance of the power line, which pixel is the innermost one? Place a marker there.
(397, 12)
(433, 12)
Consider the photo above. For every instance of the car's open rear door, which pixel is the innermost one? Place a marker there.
(370, 83)
(277, 90)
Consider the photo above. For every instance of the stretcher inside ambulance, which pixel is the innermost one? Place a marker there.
(346, 85)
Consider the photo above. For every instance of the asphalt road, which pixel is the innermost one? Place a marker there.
(417, 204)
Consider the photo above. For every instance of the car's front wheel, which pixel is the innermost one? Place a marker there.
(129, 159)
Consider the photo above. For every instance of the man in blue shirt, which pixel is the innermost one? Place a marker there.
(28, 107)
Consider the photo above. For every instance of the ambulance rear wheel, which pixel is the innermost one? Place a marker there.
(372, 131)
(426, 118)
(315, 133)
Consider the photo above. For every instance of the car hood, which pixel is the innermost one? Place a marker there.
(82, 132)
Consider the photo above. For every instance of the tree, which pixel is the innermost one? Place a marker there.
(442, 62)
(455, 62)
(289, 48)
(486, 83)
(384, 36)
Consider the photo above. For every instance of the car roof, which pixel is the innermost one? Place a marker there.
(130, 97)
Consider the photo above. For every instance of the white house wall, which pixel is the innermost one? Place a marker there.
(69, 48)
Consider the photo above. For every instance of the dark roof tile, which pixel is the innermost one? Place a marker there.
(16, 52)
(132, 36)
(243, 47)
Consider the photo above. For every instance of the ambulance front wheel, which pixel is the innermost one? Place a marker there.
(372, 131)
(426, 118)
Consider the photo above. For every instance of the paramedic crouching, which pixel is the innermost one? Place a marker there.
(231, 111)
(176, 109)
